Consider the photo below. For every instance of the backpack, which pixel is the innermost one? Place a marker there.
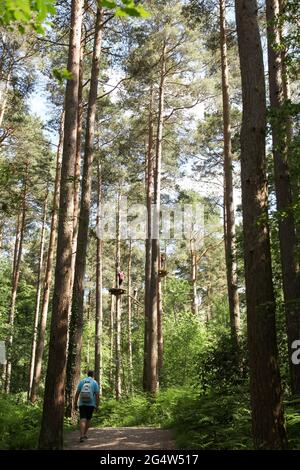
(87, 391)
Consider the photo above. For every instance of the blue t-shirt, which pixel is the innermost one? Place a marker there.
(96, 390)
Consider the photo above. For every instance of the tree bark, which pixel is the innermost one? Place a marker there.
(118, 380)
(286, 89)
(265, 385)
(15, 279)
(38, 296)
(130, 364)
(51, 435)
(99, 300)
(76, 321)
(77, 170)
(4, 97)
(49, 269)
(194, 278)
(160, 336)
(229, 234)
(155, 247)
(149, 196)
(111, 342)
(88, 320)
(287, 232)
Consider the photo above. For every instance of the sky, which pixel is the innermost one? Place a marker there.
(39, 105)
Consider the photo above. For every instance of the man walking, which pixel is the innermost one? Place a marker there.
(88, 393)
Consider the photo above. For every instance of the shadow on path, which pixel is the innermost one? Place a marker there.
(121, 439)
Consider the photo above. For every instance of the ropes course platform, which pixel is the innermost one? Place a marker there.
(162, 273)
(117, 291)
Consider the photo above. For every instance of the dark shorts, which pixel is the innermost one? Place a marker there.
(86, 412)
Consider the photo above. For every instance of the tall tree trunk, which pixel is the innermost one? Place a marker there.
(287, 232)
(4, 97)
(1, 232)
(111, 342)
(153, 344)
(77, 169)
(194, 277)
(286, 89)
(160, 337)
(88, 319)
(130, 365)
(265, 386)
(118, 324)
(76, 322)
(99, 300)
(38, 296)
(51, 435)
(15, 279)
(49, 268)
(229, 235)
(295, 180)
(17, 242)
(149, 196)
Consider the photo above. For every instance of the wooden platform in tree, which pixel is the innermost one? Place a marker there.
(162, 273)
(117, 291)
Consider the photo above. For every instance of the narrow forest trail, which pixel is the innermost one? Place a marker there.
(121, 439)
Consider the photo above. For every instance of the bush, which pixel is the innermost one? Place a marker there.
(184, 339)
(19, 423)
(213, 421)
(220, 366)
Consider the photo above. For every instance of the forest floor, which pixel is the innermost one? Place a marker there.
(121, 439)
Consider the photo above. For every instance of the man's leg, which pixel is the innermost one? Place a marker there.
(83, 423)
(89, 415)
(87, 425)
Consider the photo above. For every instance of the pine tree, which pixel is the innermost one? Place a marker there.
(265, 387)
(51, 435)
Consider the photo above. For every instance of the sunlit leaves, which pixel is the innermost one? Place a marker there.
(33, 13)
(22, 13)
(61, 74)
(125, 8)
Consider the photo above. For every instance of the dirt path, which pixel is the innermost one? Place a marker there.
(121, 438)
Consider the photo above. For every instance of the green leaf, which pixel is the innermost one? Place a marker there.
(107, 4)
(120, 12)
(21, 29)
(137, 12)
(30, 13)
(129, 8)
(62, 74)
(38, 28)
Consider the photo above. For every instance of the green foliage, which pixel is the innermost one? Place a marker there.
(24, 13)
(125, 8)
(141, 410)
(292, 415)
(19, 423)
(184, 339)
(61, 74)
(33, 13)
(214, 421)
(220, 366)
